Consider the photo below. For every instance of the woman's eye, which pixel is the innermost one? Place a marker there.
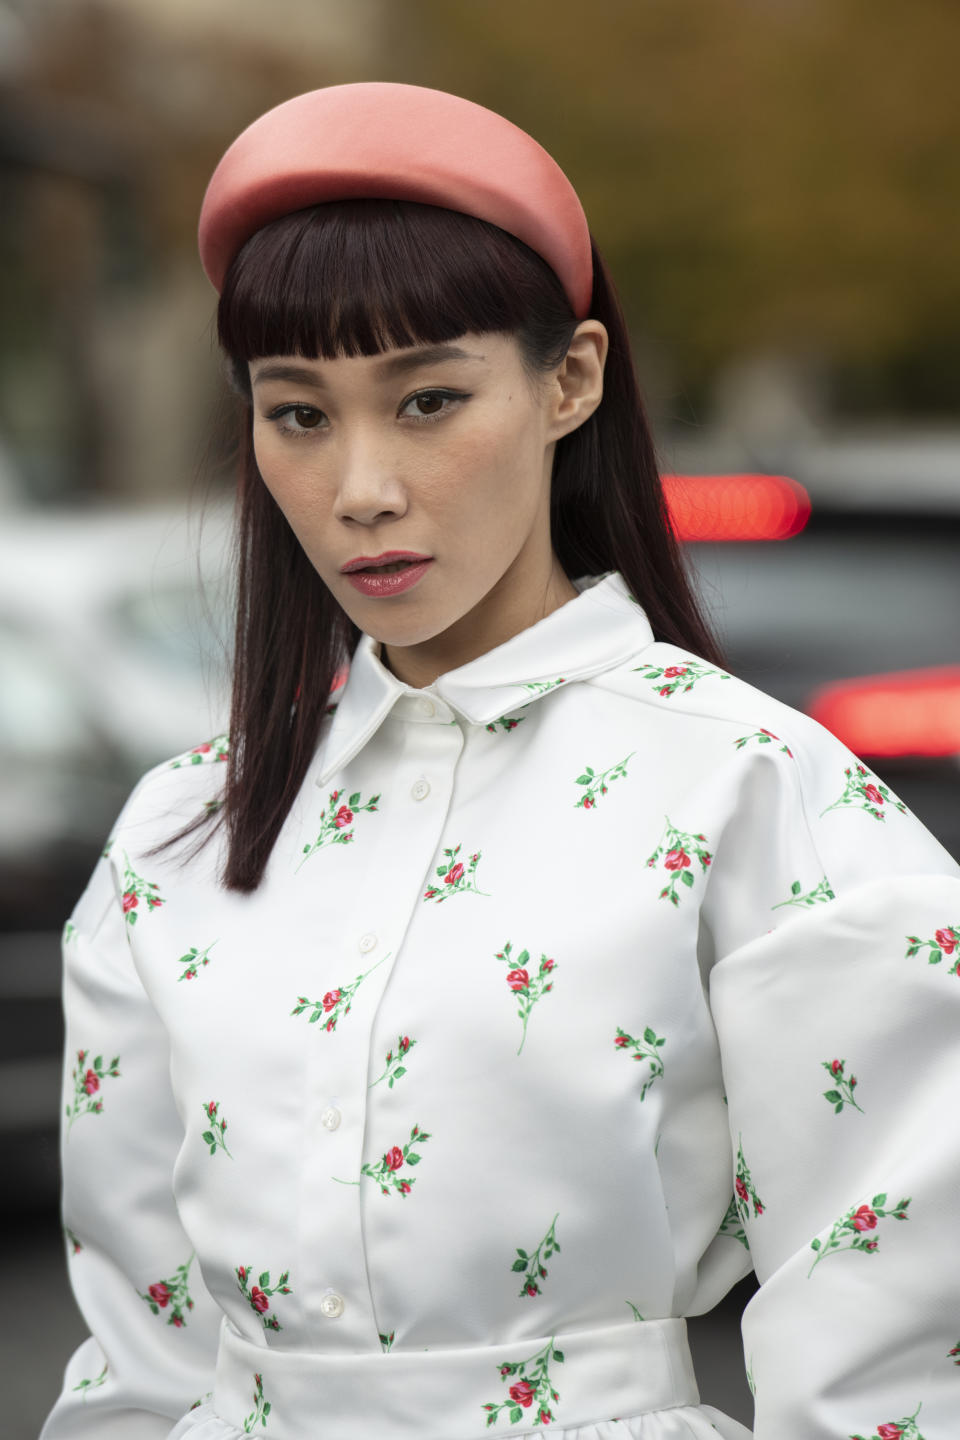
(296, 419)
(431, 404)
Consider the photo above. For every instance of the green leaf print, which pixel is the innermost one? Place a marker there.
(946, 942)
(763, 737)
(395, 1062)
(135, 889)
(596, 785)
(173, 1292)
(683, 676)
(458, 876)
(533, 1267)
(531, 1391)
(863, 791)
(636, 1312)
(210, 752)
(261, 1408)
(86, 1385)
(88, 1077)
(677, 847)
(258, 1295)
(841, 1092)
(905, 1429)
(646, 1049)
(542, 687)
(527, 988)
(744, 1189)
(336, 820)
(732, 1224)
(855, 1229)
(216, 1125)
(385, 1172)
(506, 723)
(821, 894)
(194, 961)
(336, 1003)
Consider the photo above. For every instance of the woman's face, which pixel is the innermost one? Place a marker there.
(439, 452)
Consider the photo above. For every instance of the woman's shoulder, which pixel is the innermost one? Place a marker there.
(668, 680)
(173, 793)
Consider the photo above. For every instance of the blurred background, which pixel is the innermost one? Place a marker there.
(774, 184)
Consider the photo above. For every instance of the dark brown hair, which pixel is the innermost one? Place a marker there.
(353, 278)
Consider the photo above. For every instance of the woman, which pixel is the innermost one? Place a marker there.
(477, 1033)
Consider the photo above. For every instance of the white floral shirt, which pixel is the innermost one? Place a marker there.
(580, 983)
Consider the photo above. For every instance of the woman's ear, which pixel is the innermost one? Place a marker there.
(577, 386)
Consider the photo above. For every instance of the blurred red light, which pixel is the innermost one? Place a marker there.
(736, 507)
(909, 712)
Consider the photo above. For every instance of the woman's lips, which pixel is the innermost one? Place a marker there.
(390, 578)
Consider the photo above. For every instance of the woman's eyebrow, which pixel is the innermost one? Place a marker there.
(388, 368)
(393, 365)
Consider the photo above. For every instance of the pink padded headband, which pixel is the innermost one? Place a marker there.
(398, 142)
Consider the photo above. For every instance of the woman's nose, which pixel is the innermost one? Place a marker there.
(369, 486)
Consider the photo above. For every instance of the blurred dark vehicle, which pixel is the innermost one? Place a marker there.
(102, 638)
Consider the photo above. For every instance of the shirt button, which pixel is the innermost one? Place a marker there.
(330, 1118)
(367, 943)
(420, 789)
(427, 707)
(331, 1305)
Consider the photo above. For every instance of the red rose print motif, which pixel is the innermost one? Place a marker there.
(675, 850)
(532, 1385)
(194, 961)
(216, 1126)
(258, 1296)
(88, 1077)
(527, 990)
(905, 1429)
(506, 723)
(385, 1171)
(261, 1408)
(841, 1092)
(763, 737)
(744, 1188)
(850, 1232)
(455, 877)
(863, 791)
(395, 1062)
(533, 1267)
(335, 1003)
(944, 942)
(172, 1293)
(596, 785)
(135, 889)
(678, 677)
(646, 1050)
(335, 821)
(210, 752)
(543, 687)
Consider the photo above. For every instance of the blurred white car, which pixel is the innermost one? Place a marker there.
(113, 655)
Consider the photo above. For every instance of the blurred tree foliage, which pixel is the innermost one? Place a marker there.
(761, 174)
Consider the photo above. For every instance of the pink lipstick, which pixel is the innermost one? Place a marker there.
(386, 574)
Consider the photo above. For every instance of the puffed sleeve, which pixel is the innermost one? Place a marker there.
(835, 991)
(153, 1325)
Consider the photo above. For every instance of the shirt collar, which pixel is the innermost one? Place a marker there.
(601, 628)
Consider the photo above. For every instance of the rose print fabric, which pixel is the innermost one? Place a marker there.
(704, 1023)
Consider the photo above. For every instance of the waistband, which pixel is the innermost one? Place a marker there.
(567, 1380)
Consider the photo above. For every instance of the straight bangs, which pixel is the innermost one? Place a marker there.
(357, 277)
